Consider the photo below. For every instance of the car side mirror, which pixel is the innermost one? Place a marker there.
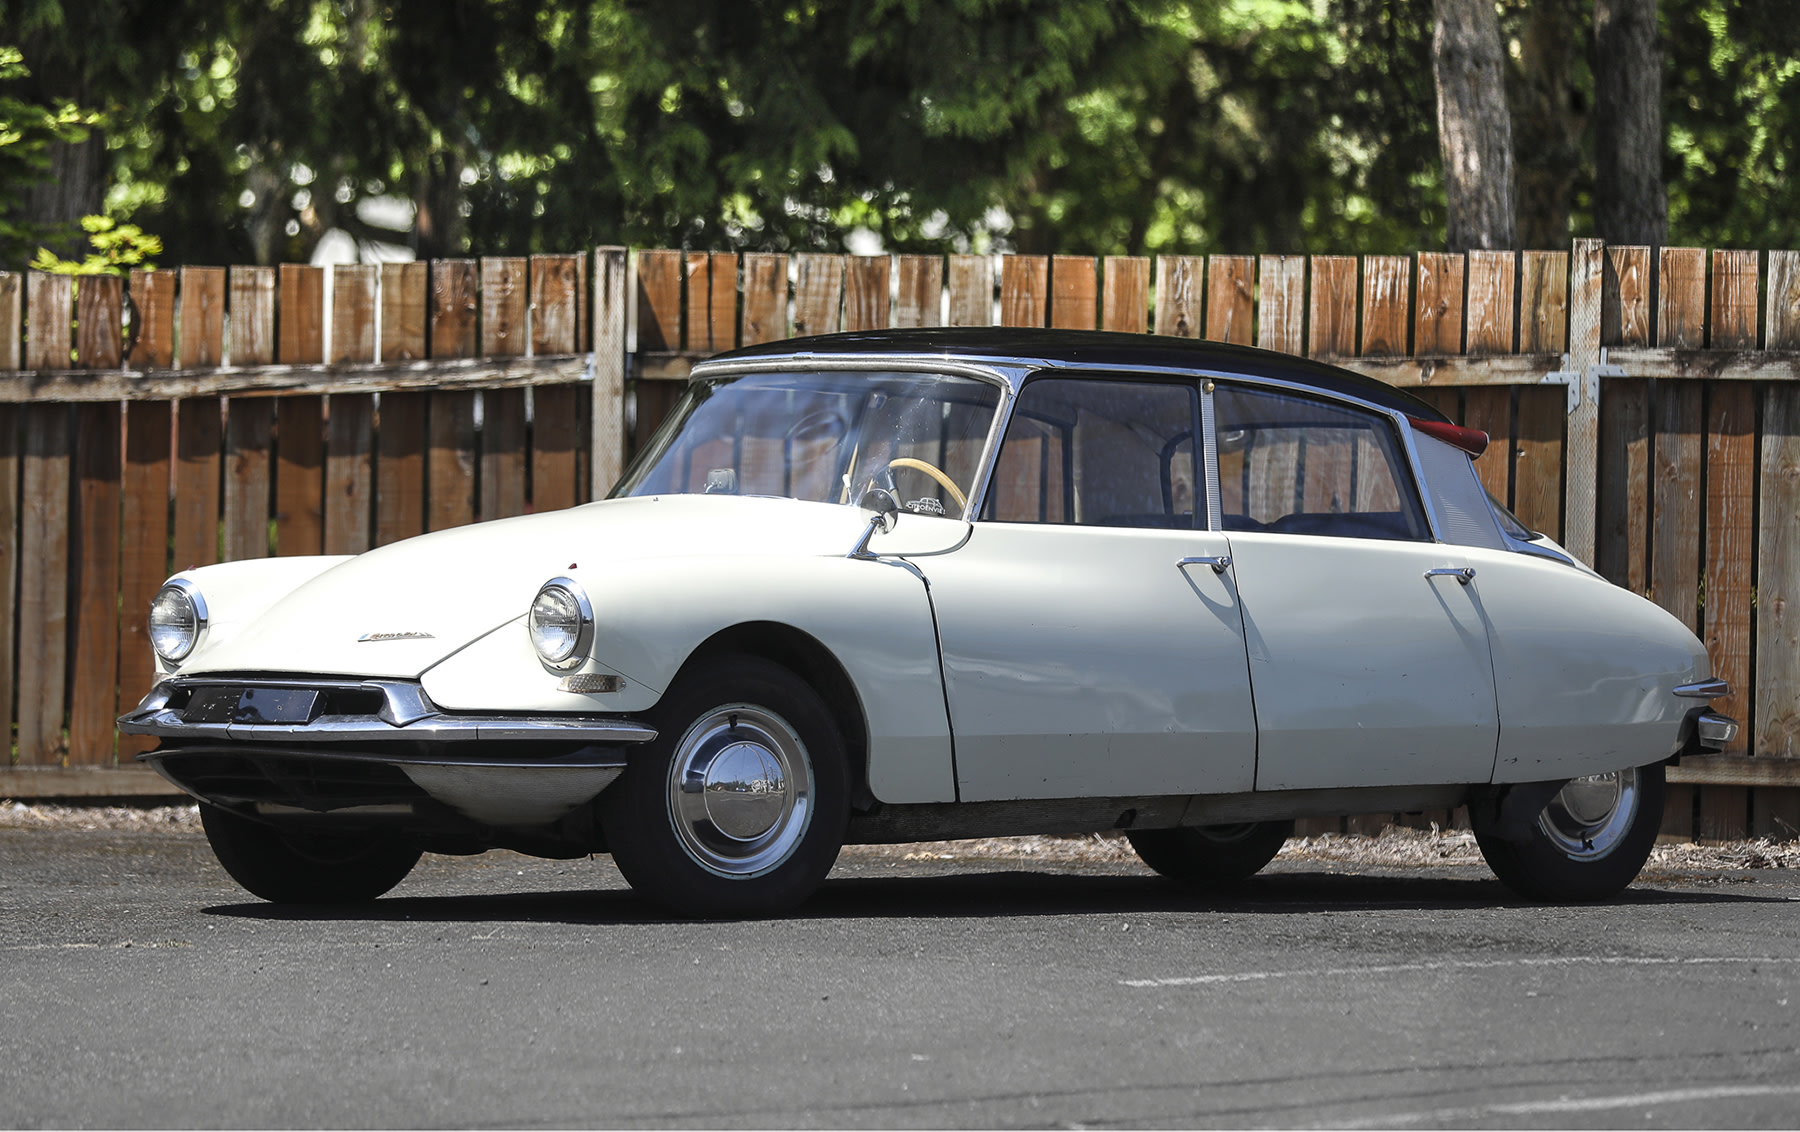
(883, 511)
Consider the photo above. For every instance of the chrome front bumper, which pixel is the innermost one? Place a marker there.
(496, 770)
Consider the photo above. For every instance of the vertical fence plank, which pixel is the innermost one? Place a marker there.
(450, 464)
(765, 298)
(49, 319)
(556, 303)
(249, 429)
(200, 445)
(1489, 306)
(920, 297)
(503, 455)
(94, 553)
(1681, 298)
(818, 293)
(1538, 459)
(455, 303)
(1777, 704)
(1125, 294)
(1674, 561)
(1581, 474)
(300, 475)
(1624, 528)
(349, 473)
(12, 325)
(866, 291)
(1024, 290)
(251, 314)
(723, 301)
(1280, 310)
(1331, 331)
(971, 290)
(1730, 515)
(99, 322)
(1387, 297)
(1625, 306)
(608, 400)
(1544, 302)
(200, 338)
(696, 282)
(1734, 304)
(1074, 292)
(504, 317)
(1438, 319)
(1230, 294)
(153, 320)
(400, 463)
(659, 301)
(43, 583)
(404, 311)
(144, 550)
(302, 336)
(1783, 325)
(10, 519)
(555, 442)
(1180, 280)
(353, 313)
(1489, 408)
(1724, 813)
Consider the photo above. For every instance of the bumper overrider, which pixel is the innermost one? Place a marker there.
(375, 750)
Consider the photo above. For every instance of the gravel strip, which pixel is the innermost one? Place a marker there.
(1394, 847)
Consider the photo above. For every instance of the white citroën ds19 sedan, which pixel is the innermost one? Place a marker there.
(942, 583)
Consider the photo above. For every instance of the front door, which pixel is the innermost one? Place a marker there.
(1091, 646)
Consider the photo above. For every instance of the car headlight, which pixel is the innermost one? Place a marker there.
(561, 622)
(177, 618)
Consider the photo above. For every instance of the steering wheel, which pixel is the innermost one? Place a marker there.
(935, 473)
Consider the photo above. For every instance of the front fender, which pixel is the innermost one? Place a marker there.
(237, 593)
(650, 615)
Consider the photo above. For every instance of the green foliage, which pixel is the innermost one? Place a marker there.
(117, 249)
(28, 128)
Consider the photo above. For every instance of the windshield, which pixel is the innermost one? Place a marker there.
(824, 437)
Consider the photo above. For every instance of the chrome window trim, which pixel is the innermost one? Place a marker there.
(1007, 380)
(1215, 491)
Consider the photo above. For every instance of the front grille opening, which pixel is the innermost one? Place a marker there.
(232, 778)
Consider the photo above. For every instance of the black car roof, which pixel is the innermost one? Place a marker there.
(1095, 350)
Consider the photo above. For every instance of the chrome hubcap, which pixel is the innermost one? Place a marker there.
(1588, 817)
(740, 791)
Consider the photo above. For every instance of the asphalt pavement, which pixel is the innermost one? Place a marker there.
(140, 988)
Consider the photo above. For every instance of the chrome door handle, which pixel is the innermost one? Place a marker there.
(1219, 562)
(1463, 574)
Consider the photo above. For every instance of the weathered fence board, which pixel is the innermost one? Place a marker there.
(504, 314)
(1074, 292)
(818, 293)
(1125, 295)
(1438, 318)
(1332, 318)
(94, 554)
(1281, 306)
(200, 333)
(404, 311)
(1179, 295)
(1386, 299)
(866, 293)
(144, 549)
(300, 475)
(43, 582)
(919, 291)
(99, 322)
(971, 290)
(251, 302)
(1024, 290)
(349, 474)
(152, 320)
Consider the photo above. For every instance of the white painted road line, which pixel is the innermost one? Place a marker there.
(1463, 965)
(1567, 1105)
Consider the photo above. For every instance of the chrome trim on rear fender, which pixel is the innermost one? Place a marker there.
(1704, 690)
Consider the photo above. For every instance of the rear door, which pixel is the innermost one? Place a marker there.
(1368, 652)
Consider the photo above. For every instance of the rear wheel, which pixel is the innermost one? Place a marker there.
(739, 806)
(294, 867)
(1207, 855)
(1588, 842)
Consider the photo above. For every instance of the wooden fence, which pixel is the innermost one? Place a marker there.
(1645, 406)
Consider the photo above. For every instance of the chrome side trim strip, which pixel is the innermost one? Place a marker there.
(1704, 690)
(598, 760)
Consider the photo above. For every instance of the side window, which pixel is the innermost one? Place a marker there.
(1092, 452)
(1294, 465)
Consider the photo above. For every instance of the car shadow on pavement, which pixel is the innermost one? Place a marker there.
(990, 894)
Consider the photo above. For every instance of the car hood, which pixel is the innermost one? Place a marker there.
(400, 609)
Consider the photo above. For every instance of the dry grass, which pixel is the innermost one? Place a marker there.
(1393, 848)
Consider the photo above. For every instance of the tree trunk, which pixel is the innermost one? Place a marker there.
(1549, 117)
(1474, 125)
(1630, 204)
(74, 186)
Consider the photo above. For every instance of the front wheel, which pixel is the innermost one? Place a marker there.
(739, 806)
(1588, 842)
(1209, 855)
(298, 867)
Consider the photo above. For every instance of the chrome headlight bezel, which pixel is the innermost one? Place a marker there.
(186, 593)
(572, 647)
